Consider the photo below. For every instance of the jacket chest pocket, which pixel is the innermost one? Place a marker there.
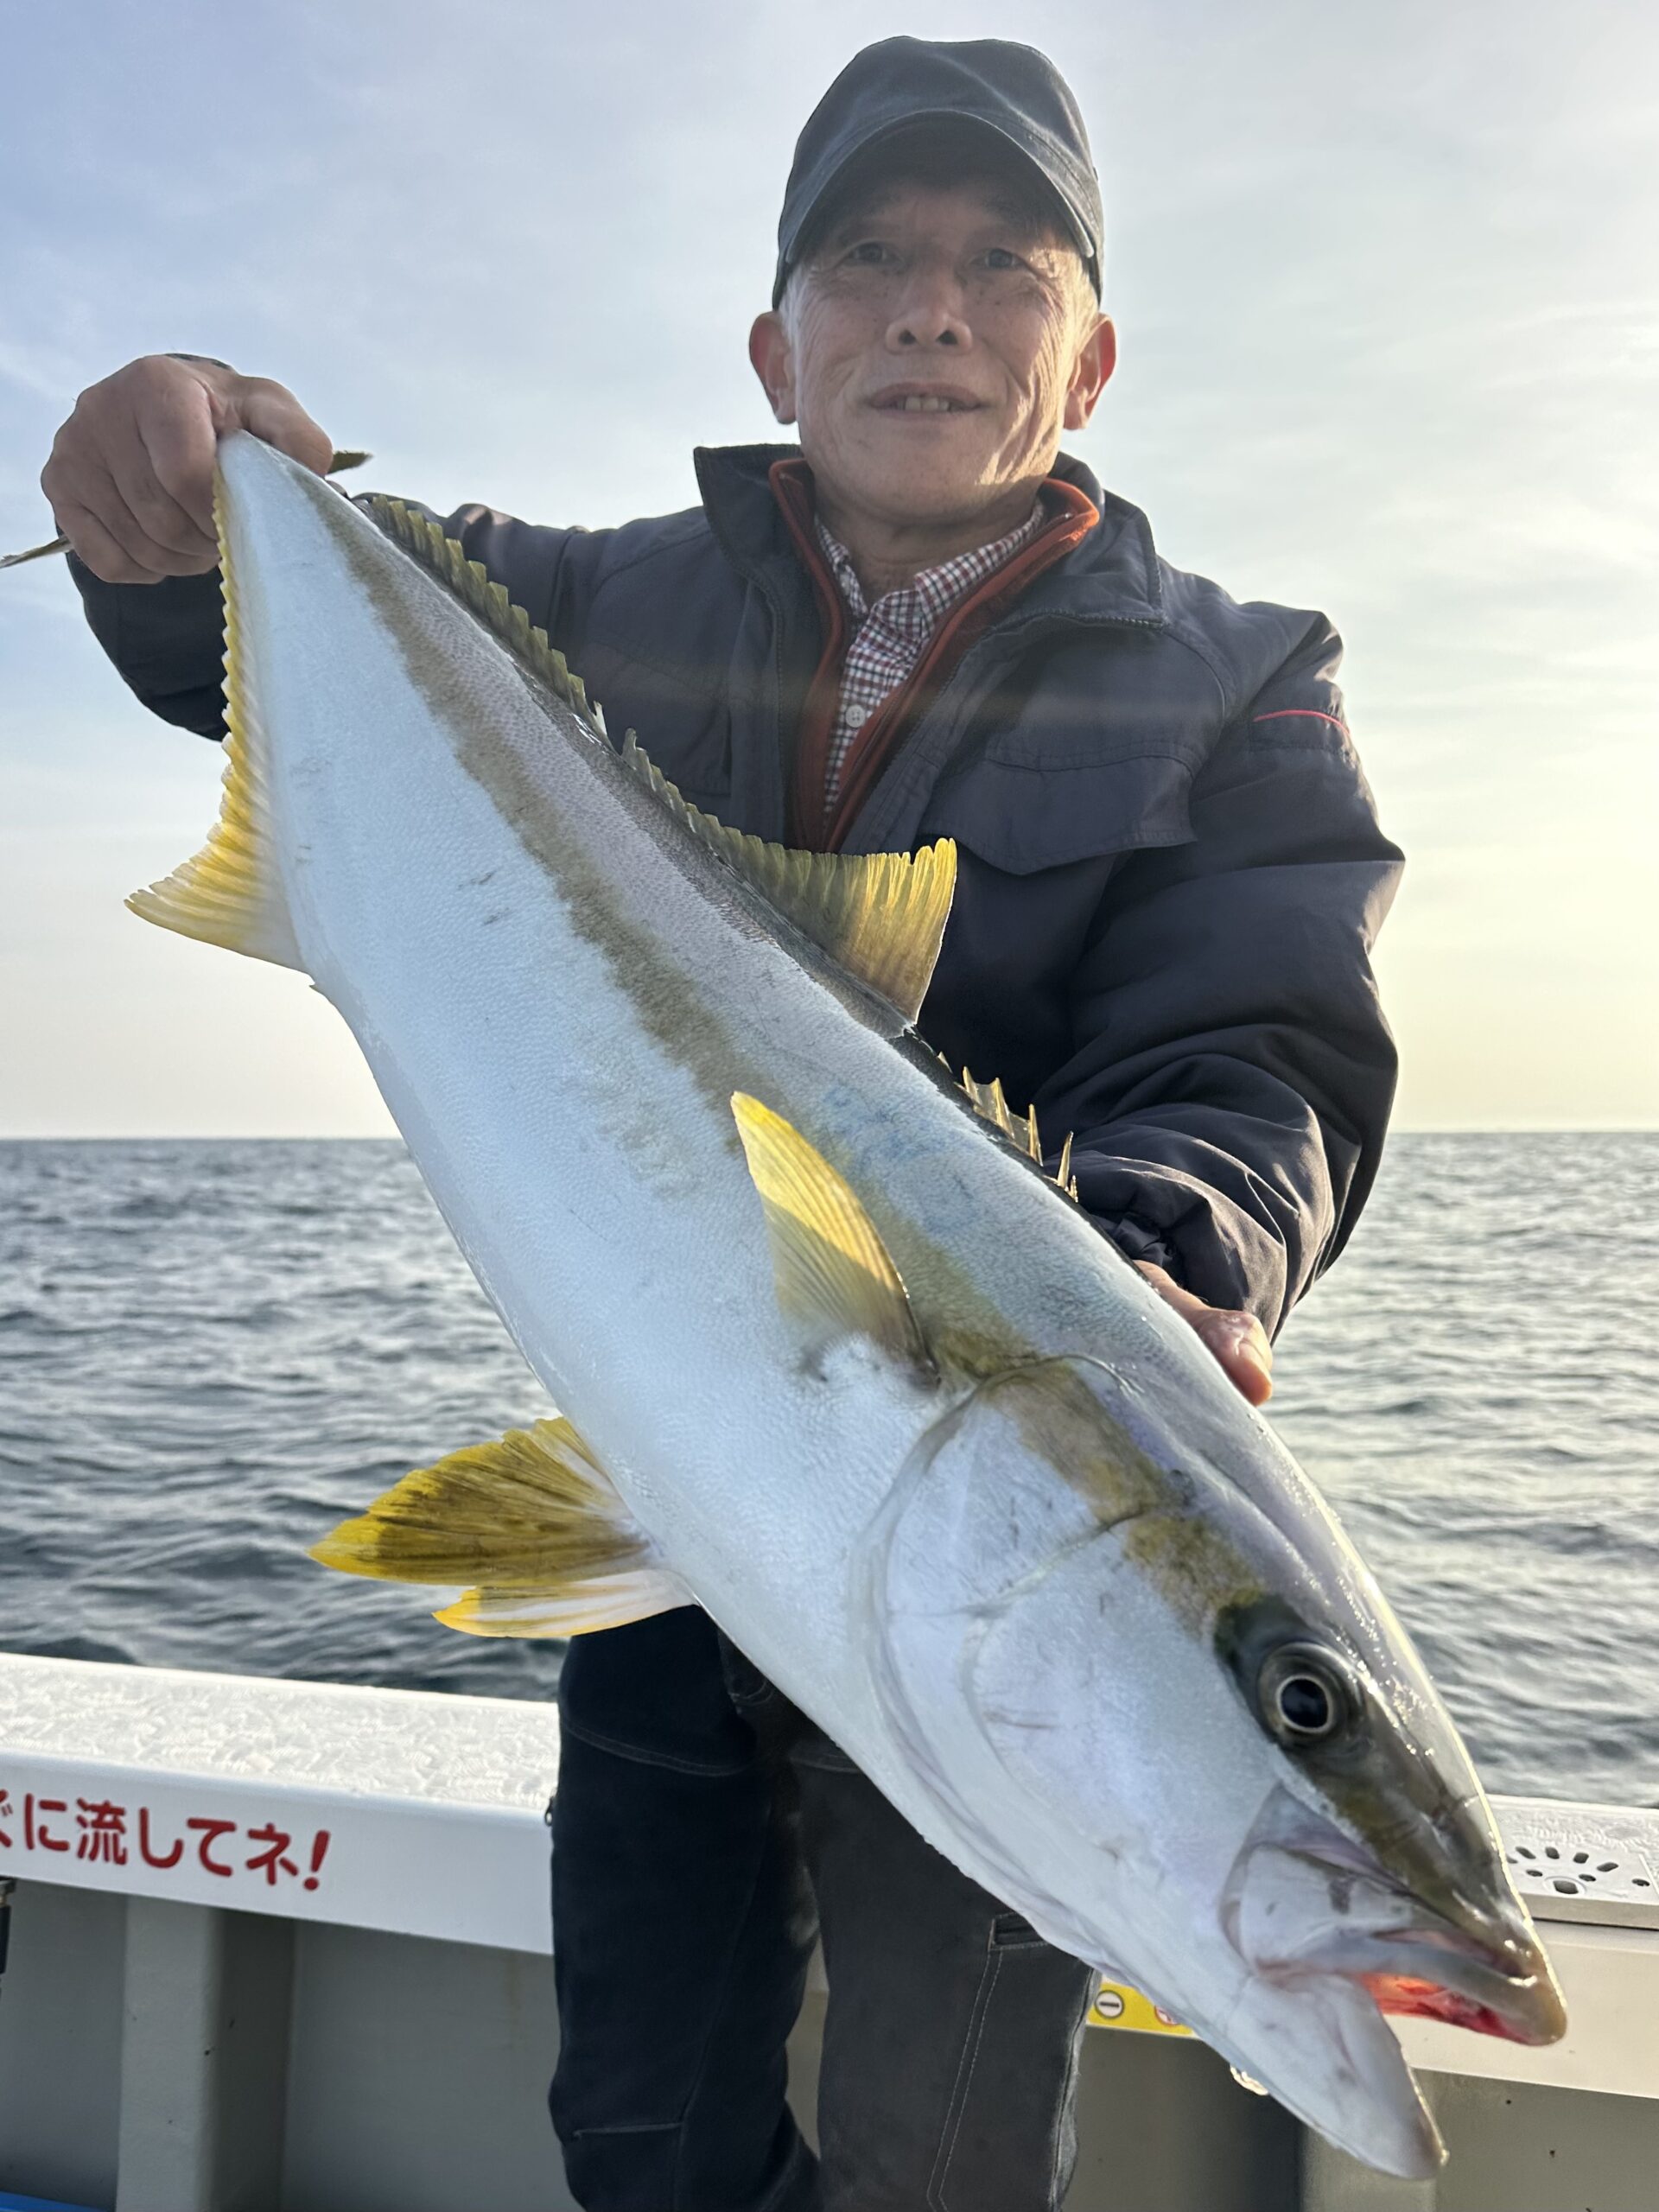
(1037, 848)
(1023, 816)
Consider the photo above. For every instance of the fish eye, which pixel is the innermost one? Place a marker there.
(1307, 1695)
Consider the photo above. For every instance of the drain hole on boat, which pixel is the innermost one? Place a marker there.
(1573, 1870)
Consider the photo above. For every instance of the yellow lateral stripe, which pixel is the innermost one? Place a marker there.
(831, 1267)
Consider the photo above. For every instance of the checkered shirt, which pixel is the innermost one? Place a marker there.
(889, 639)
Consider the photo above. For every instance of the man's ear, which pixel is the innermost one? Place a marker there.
(1097, 359)
(775, 363)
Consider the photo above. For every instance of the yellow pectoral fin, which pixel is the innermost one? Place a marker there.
(231, 893)
(832, 1269)
(531, 1520)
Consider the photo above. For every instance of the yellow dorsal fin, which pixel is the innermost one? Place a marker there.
(471, 582)
(880, 915)
(231, 893)
(988, 1101)
(531, 1520)
(832, 1269)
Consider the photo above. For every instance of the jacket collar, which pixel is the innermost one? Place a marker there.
(1112, 576)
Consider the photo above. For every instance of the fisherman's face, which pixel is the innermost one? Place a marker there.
(933, 349)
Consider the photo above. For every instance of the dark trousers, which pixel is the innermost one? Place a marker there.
(704, 1834)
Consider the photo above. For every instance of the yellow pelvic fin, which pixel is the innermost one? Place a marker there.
(880, 915)
(231, 893)
(832, 1269)
(531, 1520)
(990, 1103)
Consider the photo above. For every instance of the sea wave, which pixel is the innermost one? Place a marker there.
(210, 1352)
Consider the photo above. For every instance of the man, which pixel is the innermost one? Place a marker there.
(926, 621)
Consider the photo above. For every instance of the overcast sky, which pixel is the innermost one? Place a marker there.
(1388, 304)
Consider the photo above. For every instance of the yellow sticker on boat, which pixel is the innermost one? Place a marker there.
(1117, 2005)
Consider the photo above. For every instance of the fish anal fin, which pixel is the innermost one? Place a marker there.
(832, 1269)
(230, 894)
(881, 915)
(531, 1521)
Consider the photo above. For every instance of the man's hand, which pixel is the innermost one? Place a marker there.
(130, 479)
(1237, 1340)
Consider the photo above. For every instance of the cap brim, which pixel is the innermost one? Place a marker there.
(882, 134)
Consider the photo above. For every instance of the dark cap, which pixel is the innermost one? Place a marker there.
(1010, 90)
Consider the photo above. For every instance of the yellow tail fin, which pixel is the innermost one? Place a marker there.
(231, 893)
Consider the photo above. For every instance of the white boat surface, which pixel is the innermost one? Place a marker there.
(287, 1947)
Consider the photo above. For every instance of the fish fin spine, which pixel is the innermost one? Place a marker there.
(990, 1103)
(831, 1268)
(881, 915)
(530, 1521)
(230, 894)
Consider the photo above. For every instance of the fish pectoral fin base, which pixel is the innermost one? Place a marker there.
(532, 1521)
(881, 915)
(231, 894)
(832, 1269)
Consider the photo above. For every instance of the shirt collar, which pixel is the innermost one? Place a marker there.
(932, 592)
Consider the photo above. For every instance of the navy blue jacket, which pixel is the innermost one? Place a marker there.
(1170, 868)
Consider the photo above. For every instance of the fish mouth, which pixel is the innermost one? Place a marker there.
(1431, 1973)
(1305, 1901)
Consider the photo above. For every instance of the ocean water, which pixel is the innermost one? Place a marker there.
(211, 1351)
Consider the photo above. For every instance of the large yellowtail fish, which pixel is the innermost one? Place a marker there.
(837, 1359)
